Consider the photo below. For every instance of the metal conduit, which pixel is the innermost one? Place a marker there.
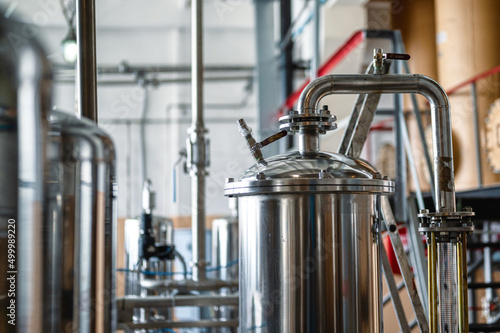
(197, 144)
(157, 82)
(131, 302)
(183, 324)
(131, 69)
(86, 67)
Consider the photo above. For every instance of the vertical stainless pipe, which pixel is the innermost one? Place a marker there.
(110, 236)
(197, 64)
(489, 293)
(86, 67)
(308, 142)
(197, 143)
(315, 59)
(440, 112)
(477, 131)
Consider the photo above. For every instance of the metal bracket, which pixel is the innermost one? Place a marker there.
(361, 118)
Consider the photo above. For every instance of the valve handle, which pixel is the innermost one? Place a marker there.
(396, 56)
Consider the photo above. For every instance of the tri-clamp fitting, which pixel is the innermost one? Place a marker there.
(197, 151)
(319, 122)
(309, 125)
(448, 226)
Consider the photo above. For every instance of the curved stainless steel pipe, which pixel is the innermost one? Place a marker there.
(411, 83)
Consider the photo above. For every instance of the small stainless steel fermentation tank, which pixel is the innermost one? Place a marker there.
(309, 236)
(309, 244)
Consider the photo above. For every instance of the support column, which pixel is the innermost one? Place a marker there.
(268, 78)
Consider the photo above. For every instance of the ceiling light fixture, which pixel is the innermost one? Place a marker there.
(69, 45)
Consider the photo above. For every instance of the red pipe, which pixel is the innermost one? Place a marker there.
(349, 45)
(474, 79)
(346, 48)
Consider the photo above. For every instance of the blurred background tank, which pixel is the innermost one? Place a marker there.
(225, 260)
(156, 267)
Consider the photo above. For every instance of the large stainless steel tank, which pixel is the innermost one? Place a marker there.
(25, 96)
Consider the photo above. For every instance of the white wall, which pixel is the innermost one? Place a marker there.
(158, 32)
(338, 21)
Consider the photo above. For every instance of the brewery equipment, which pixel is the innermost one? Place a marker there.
(25, 97)
(58, 182)
(309, 238)
(149, 254)
(310, 220)
(82, 202)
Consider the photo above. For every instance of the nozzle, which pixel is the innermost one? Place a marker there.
(254, 147)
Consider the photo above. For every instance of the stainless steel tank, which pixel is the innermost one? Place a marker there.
(309, 235)
(309, 244)
(58, 190)
(82, 199)
(25, 96)
(225, 259)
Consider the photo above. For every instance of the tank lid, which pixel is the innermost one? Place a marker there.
(317, 166)
(315, 172)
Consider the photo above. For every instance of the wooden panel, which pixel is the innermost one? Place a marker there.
(468, 44)
(416, 21)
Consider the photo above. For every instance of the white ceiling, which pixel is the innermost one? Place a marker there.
(138, 13)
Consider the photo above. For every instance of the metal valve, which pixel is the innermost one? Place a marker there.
(255, 147)
(379, 56)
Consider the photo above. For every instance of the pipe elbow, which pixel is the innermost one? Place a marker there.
(314, 92)
(433, 92)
